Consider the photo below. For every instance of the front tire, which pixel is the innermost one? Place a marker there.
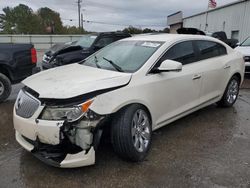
(131, 133)
(5, 87)
(231, 93)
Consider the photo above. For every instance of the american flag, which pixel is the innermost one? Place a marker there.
(212, 4)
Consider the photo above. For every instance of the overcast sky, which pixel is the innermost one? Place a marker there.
(139, 13)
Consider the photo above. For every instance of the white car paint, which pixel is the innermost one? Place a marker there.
(167, 96)
(55, 83)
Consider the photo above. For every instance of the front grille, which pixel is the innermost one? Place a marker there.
(26, 105)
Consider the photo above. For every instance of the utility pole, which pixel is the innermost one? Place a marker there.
(82, 21)
(79, 12)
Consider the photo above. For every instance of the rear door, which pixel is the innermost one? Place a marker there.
(211, 59)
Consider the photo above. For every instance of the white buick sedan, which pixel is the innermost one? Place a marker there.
(130, 88)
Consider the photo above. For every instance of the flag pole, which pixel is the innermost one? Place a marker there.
(206, 25)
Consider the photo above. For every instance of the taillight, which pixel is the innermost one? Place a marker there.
(33, 55)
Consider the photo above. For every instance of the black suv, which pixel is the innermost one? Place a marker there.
(76, 51)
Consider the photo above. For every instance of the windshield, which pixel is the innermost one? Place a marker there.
(123, 56)
(86, 41)
(246, 42)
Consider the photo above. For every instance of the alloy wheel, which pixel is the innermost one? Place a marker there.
(232, 92)
(1, 88)
(141, 130)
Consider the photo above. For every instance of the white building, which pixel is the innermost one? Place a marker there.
(175, 21)
(233, 18)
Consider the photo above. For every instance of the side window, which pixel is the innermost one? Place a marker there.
(209, 49)
(104, 42)
(182, 52)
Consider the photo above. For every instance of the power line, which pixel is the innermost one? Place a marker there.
(69, 19)
(104, 23)
(116, 24)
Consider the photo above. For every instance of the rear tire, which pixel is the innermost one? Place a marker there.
(5, 87)
(131, 133)
(231, 93)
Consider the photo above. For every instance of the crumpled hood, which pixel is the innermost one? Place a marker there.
(244, 50)
(74, 80)
(59, 47)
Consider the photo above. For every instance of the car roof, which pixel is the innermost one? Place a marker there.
(111, 33)
(169, 37)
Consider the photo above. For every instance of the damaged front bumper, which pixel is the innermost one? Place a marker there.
(59, 143)
(56, 155)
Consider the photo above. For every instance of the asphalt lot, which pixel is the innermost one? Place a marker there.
(209, 148)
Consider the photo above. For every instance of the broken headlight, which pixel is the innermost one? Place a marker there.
(70, 114)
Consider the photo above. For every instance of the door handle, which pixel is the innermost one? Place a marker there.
(196, 77)
(227, 67)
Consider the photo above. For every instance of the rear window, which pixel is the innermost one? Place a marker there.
(209, 49)
(86, 41)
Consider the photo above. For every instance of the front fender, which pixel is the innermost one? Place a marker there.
(113, 101)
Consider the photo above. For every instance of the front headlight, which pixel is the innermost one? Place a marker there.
(44, 57)
(70, 114)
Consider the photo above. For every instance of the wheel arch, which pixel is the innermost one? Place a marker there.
(138, 103)
(4, 70)
(229, 78)
(238, 75)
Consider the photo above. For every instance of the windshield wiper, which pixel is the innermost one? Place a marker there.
(117, 67)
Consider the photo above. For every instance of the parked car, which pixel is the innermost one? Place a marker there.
(221, 35)
(57, 47)
(73, 52)
(135, 85)
(190, 31)
(16, 63)
(244, 48)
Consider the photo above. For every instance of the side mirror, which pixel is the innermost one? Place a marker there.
(168, 66)
(238, 44)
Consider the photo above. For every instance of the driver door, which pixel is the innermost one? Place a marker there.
(176, 93)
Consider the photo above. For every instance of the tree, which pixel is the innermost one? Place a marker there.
(147, 30)
(50, 18)
(20, 19)
(165, 30)
(23, 20)
(73, 30)
(7, 21)
(27, 22)
(132, 30)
